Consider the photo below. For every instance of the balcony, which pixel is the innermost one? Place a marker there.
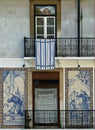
(65, 47)
(59, 119)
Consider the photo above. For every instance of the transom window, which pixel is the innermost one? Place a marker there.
(44, 10)
(45, 16)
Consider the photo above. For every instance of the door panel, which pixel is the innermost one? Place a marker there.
(46, 105)
(45, 27)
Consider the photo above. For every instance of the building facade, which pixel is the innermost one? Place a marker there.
(58, 92)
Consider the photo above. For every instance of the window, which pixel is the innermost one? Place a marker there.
(44, 10)
(45, 27)
(45, 19)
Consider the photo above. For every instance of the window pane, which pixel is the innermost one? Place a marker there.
(50, 21)
(40, 21)
(50, 37)
(50, 30)
(45, 10)
(40, 30)
(40, 36)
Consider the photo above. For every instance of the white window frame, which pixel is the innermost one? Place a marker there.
(45, 25)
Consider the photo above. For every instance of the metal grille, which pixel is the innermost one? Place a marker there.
(67, 119)
(65, 47)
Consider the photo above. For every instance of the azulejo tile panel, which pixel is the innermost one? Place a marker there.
(13, 97)
(79, 97)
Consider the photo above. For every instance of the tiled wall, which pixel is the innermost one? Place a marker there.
(79, 93)
(14, 97)
(73, 83)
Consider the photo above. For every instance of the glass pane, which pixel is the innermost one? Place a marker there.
(40, 30)
(50, 21)
(45, 99)
(50, 37)
(50, 30)
(45, 10)
(40, 21)
(40, 36)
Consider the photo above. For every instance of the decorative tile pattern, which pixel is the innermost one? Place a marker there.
(13, 97)
(13, 83)
(79, 95)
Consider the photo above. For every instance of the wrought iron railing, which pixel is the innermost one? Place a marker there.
(59, 119)
(65, 47)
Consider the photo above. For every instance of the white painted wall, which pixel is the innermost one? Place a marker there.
(11, 62)
(69, 18)
(14, 25)
(65, 62)
(88, 21)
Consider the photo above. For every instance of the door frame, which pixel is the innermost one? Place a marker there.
(45, 16)
(55, 5)
(46, 76)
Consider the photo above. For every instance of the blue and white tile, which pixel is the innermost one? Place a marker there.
(13, 97)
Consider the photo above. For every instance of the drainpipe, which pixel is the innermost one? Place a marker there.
(81, 24)
(81, 32)
(78, 5)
